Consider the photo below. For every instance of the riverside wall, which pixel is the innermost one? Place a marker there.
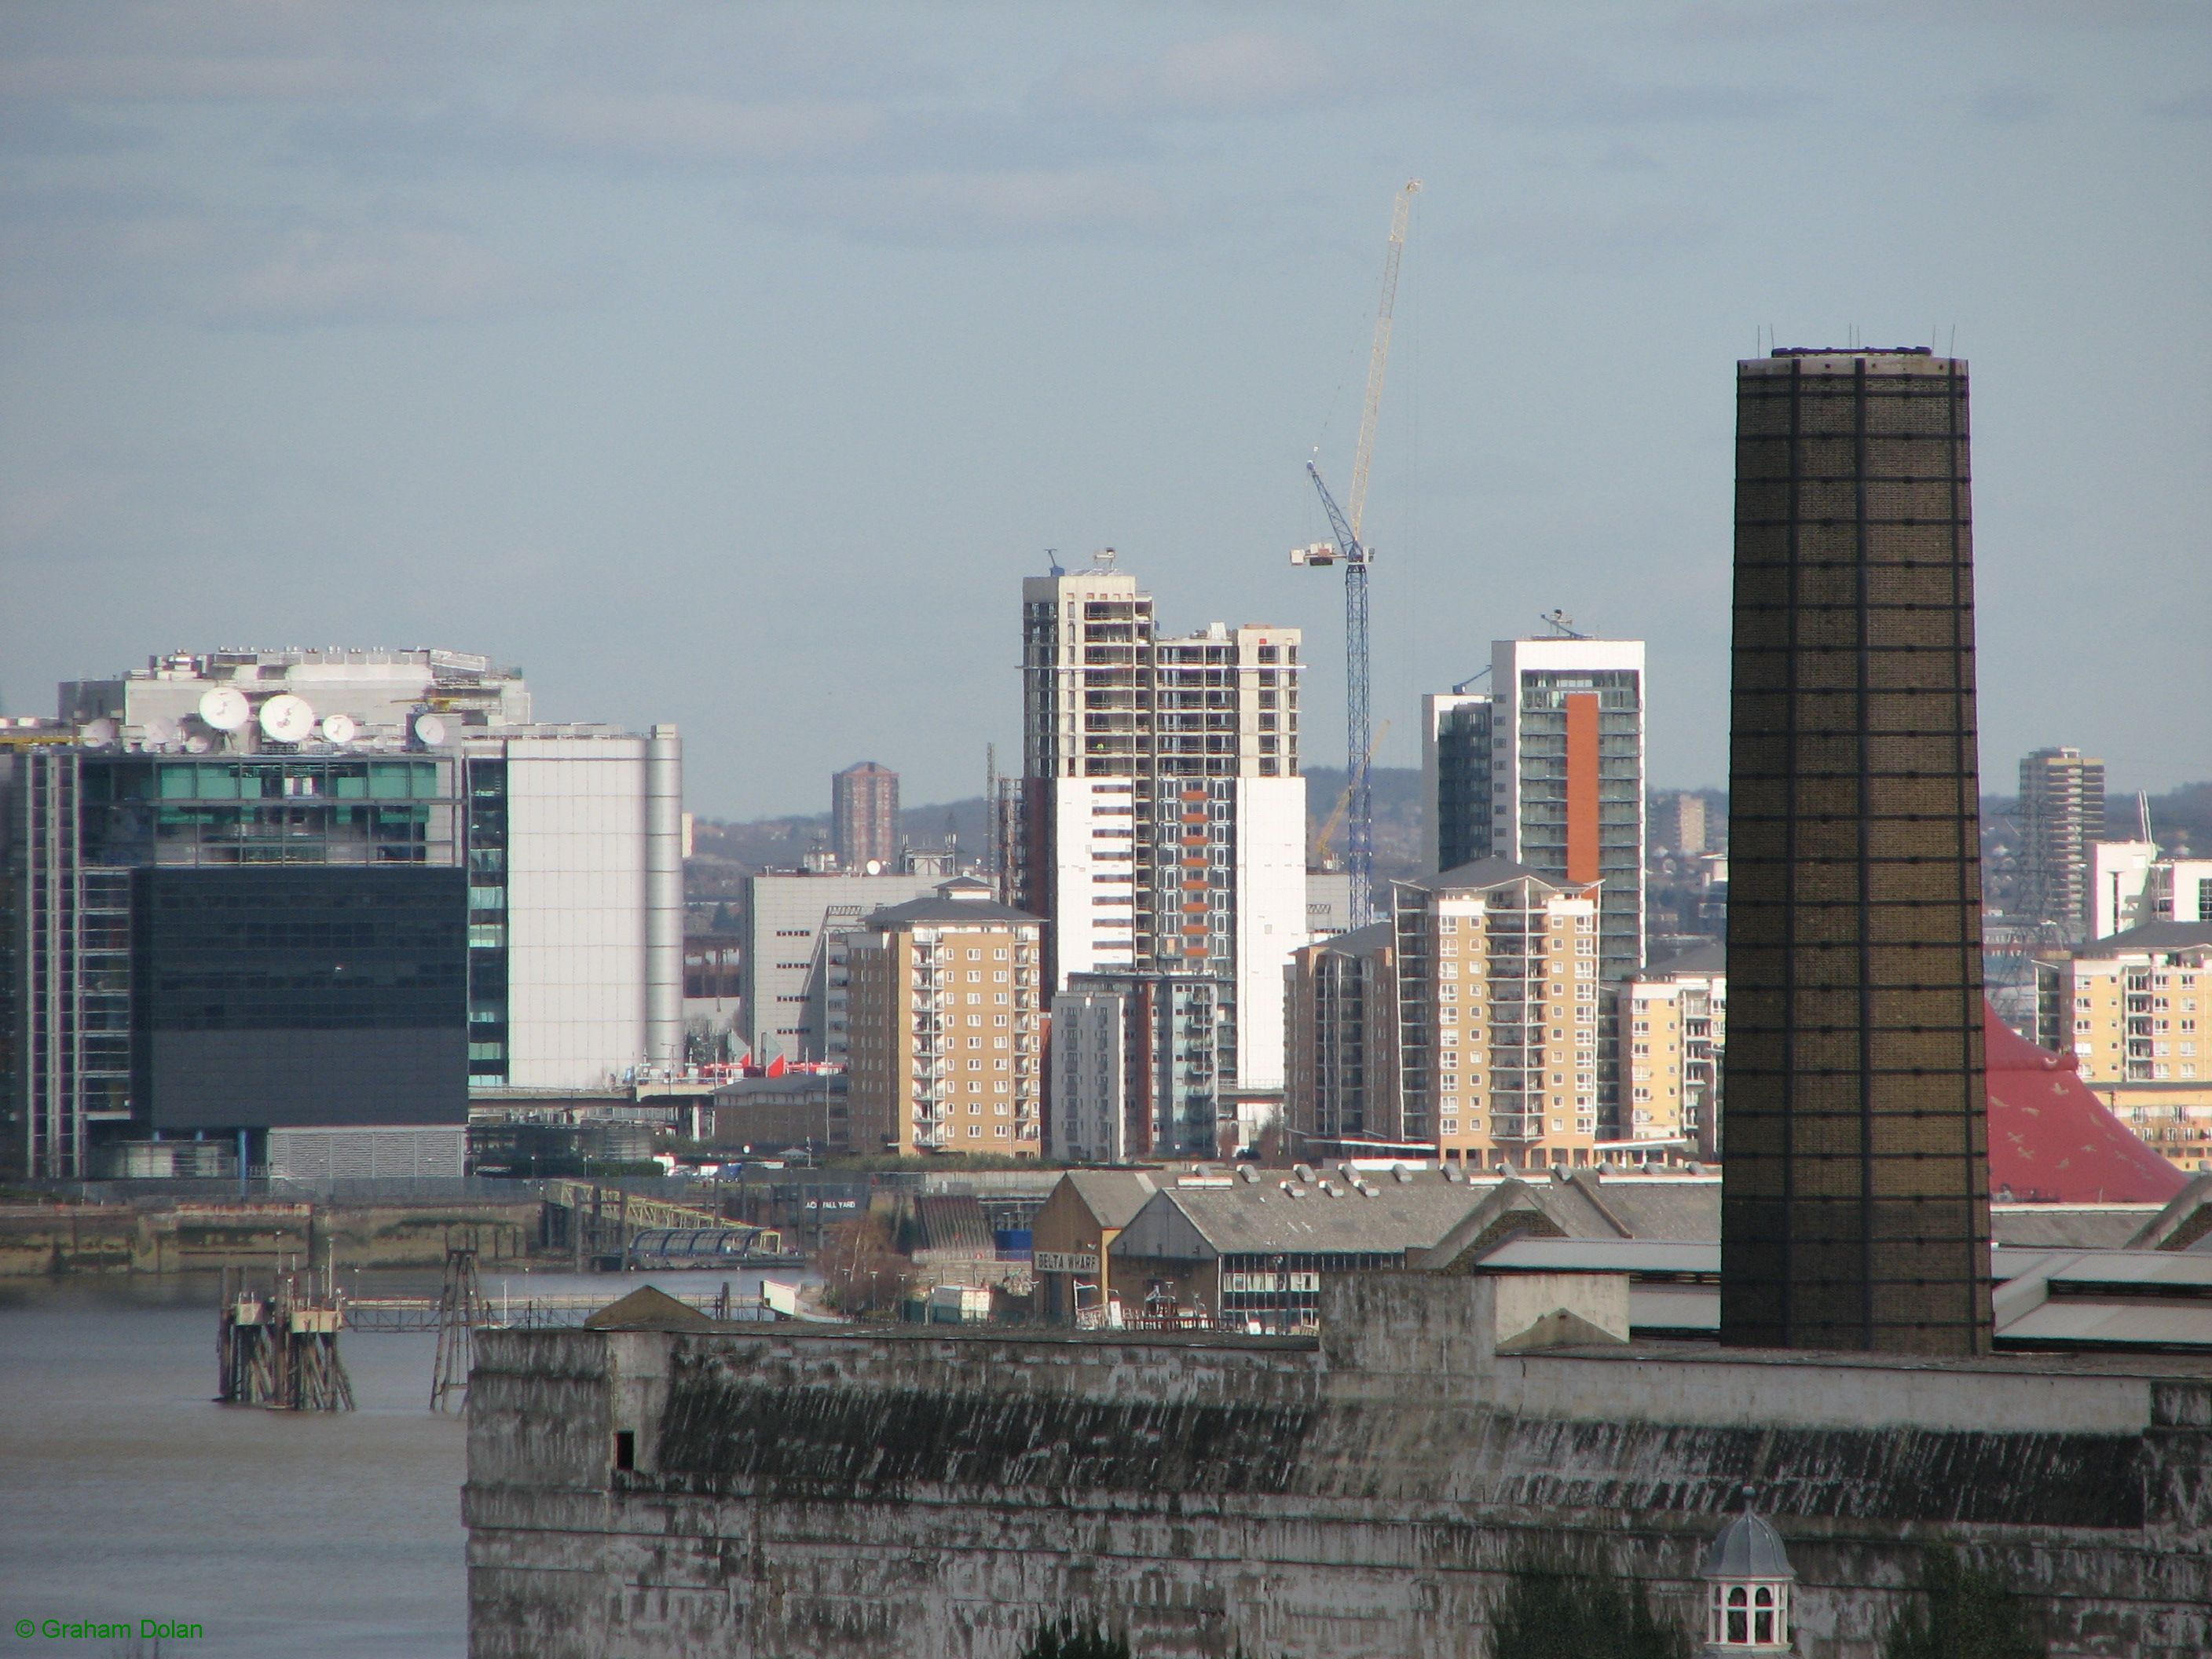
(818, 1493)
(42, 1240)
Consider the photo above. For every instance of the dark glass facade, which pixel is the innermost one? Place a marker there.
(1855, 1204)
(1463, 805)
(264, 810)
(327, 996)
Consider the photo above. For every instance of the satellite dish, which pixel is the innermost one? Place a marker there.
(198, 745)
(96, 734)
(287, 718)
(160, 731)
(224, 708)
(338, 728)
(429, 731)
(875, 866)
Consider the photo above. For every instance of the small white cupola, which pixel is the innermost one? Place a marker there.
(1747, 1578)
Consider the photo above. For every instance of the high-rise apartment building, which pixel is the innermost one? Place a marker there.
(1131, 1052)
(1161, 818)
(1498, 1000)
(2135, 1012)
(792, 925)
(947, 1028)
(1678, 824)
(2062, 814)
(1674, 1025)
(1343, 1097)
(2135, 1007)
(1546, 768)
(864, 817)
(232, 881)
(1856, 1196)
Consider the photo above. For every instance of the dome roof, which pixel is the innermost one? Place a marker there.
(1748, 1548)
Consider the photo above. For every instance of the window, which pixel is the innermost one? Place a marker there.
(625, 1448)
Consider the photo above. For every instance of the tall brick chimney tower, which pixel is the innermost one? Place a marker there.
(1855, 1197)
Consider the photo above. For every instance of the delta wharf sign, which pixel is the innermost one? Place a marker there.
(1065, 1261)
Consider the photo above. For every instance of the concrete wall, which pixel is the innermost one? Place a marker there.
(814, 1494)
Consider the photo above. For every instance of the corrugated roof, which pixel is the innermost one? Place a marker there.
(1112, 1196)
(1256, 1217)
(2068, 1226)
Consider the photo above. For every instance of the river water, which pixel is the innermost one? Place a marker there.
(125, 1494)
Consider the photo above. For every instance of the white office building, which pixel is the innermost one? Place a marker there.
(795, 972)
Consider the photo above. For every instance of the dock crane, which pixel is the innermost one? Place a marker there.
(1359, 856)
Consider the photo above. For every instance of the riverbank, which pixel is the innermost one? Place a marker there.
(159, 1236)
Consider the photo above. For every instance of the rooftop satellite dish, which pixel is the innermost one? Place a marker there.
(96, 734)
(875, 866)
(198, 744)
(429, 731)
(160, 731)
(224, 708)
(338, 729)
(287, 718)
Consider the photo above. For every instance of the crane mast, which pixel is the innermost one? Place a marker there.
(1359, 854)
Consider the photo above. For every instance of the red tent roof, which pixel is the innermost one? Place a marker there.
(2052, 1141)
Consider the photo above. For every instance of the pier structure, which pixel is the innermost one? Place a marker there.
(277, 1347)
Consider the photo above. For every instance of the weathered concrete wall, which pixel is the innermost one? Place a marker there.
(39, 1240)
(823, 1494)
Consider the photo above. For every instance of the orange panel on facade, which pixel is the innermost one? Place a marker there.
(1582, 786)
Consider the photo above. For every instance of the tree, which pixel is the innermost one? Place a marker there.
(1552, 1610)
(1964, 1612)
(1069, 1637)
(863, 1271)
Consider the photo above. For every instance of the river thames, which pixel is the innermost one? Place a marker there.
(126, 1494)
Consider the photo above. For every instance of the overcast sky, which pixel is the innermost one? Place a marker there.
(731, 364)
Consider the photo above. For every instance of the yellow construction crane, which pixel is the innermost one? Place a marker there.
(1343, 803)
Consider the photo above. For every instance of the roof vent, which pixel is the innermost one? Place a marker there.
(1302, 1171)
(1247, 1174)
(1400, 1174)
(1452, 1174)
(1559, 1174)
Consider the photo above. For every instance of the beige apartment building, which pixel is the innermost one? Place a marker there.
(947, 1032)
(1498, 1029)
(1673, 1026)
(2136, 1012)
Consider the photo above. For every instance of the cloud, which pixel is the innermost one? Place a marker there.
(2189, 106)
(216, 51)
(1033, 204)
(688, 127)
(2014, 106)
(136, 254)
(1222, 75)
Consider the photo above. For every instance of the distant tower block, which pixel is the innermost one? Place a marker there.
(864, 806)
(1854, 1209)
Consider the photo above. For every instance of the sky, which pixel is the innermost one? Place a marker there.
(729, 364)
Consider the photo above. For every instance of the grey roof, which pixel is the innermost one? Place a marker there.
(1748, 1548)
(2069, 1226)
(1705, 959)
(937, 907)
(1188, 1223)
(1681, 1209)
(1360, 940)
(1112, 1196)
(2153, 936)
(1483, 874)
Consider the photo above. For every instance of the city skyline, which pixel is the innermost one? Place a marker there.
(383, 326)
